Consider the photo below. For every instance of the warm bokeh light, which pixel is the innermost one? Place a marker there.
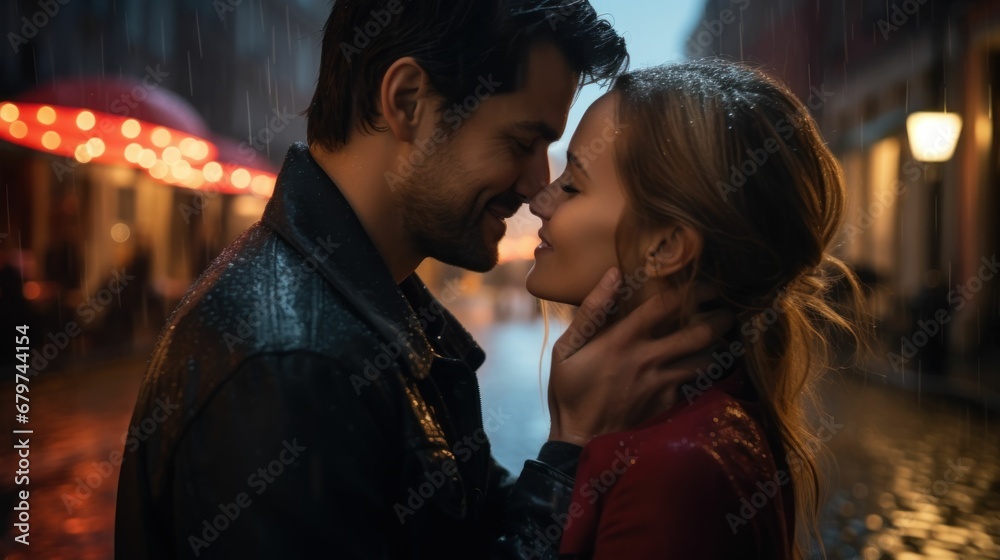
(159, 170)
(934, 136)
(171, 155)
(189, 147)
(51, 140)
(85, 120)
(95, 147)
(195, 180)
(160, 137)
(82, 154)
(521, 248)
(212, 172)
(131, 128)
(200, 150)
(132, 152)
(262, 185)
(181, 170)
(240, 178)
(18, 129)
(31, 290)
(147, 158)
(46, 115)
(9, 112)
(120, 232)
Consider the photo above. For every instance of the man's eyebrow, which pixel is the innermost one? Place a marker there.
(573, 160)
(540, 128)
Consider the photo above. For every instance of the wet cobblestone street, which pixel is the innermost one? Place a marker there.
(79, 418)
(915, 477)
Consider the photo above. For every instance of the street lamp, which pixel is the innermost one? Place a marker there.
(933, 135)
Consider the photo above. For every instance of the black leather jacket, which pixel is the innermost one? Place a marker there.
(301, 404)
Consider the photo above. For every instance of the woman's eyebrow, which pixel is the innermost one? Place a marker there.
(573, 160)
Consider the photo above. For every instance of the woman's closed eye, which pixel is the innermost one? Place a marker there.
(566, 183)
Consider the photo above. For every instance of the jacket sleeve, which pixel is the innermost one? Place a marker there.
(285, 460)
(534, 515)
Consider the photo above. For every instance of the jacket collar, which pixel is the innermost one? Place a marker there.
(309, 211)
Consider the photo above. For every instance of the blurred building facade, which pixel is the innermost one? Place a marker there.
(924, 234)
(245, 68)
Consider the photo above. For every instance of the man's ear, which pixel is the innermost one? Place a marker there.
(406, 98)
(670, 249)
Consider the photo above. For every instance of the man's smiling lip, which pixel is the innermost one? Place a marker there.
(500, 212)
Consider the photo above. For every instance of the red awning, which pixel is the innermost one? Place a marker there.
(136, 123)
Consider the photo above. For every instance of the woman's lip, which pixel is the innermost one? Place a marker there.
(545, 241)
(544, 246)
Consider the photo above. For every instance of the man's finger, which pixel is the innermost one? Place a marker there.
(590, 317)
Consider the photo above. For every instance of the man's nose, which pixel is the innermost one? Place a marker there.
(536, 177)
(544, 202)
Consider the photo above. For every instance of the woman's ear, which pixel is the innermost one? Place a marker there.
(406, 99)
(670, 249)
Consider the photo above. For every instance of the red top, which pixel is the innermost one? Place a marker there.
(698, 481)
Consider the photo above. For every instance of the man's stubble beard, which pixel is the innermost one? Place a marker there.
(437, 218)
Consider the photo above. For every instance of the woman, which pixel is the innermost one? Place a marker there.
(703, 181)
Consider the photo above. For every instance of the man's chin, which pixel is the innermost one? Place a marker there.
(480, 259)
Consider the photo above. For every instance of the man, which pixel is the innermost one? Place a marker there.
(310, 398)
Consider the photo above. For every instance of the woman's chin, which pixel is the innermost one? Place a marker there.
(547, 289)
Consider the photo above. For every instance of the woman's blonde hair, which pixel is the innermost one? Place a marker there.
(731, 153)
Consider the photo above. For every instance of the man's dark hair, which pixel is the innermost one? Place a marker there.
(457, 42)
